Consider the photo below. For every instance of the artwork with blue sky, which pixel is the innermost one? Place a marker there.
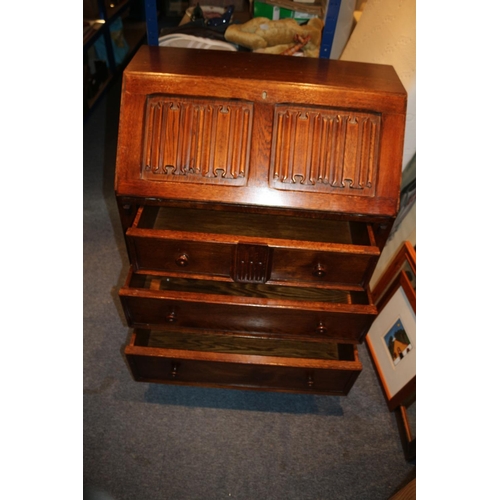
(397, 342)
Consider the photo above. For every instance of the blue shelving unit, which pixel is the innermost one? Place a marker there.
(108, 12)
(331, 18)
(150, 9)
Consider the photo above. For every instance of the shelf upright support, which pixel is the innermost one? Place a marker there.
(151, 22)
(331, 18)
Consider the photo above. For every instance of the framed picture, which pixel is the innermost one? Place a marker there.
(392, 340)
(404, 261)
(406, 417)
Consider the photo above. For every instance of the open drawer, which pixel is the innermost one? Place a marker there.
(221, 360)
(271, 310)
(252, 247)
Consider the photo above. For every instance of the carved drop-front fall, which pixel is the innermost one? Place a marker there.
(324, 150)
(190, 140)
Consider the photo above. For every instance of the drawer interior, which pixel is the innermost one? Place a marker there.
(232, 289)
(249, 346)
(256, 225)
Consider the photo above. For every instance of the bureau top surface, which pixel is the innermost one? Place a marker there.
(258, 129)
(162, 62)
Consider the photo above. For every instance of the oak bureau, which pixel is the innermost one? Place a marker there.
(255, 193)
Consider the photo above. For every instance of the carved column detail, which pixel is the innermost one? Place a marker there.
(325, 150)
(197, 140)
(252, 263)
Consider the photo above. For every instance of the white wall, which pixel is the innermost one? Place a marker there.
(386, 34)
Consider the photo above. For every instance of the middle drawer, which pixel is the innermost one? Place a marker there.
(269, 310)
(252, 247)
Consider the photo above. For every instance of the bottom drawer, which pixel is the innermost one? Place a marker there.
(226, 361)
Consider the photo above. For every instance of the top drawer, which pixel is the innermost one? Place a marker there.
(278, 132)
(251, 247)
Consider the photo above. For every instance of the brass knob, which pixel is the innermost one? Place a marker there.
(321, 328)
(172, 317)
(319, 271)
(182, 260)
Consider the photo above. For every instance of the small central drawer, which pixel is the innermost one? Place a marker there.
(271, 310)
(193, 241)
(220, 360)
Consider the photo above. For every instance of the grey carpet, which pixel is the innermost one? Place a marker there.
(148, 442)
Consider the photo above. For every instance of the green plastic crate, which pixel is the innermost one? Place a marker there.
(274, 12)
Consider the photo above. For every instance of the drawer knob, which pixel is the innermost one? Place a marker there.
(172, 317)
(319, 271)
(175, 369)
(321, 328)
(182, 260)
(310, 380)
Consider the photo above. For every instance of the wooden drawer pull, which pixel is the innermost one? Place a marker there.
(321, 328)
(182, 260)
(319, 271)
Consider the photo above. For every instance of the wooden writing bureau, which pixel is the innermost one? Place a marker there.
(256, 193)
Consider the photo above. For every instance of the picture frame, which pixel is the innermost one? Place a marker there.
(391, 340)
(405, 418)
(405, 259)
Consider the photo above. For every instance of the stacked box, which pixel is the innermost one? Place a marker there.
(239, 5)
(282, 9)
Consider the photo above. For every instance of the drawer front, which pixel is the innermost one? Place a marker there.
(185, 256)
(153, 367)
(251, 247)
(349, 325)
(216, 259)
(320, 267)
(249, 262)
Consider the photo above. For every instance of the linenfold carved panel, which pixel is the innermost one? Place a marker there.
(325, 150)
(197, 140)
(252, 263)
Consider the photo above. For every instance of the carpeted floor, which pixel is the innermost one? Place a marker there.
(152, 442)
